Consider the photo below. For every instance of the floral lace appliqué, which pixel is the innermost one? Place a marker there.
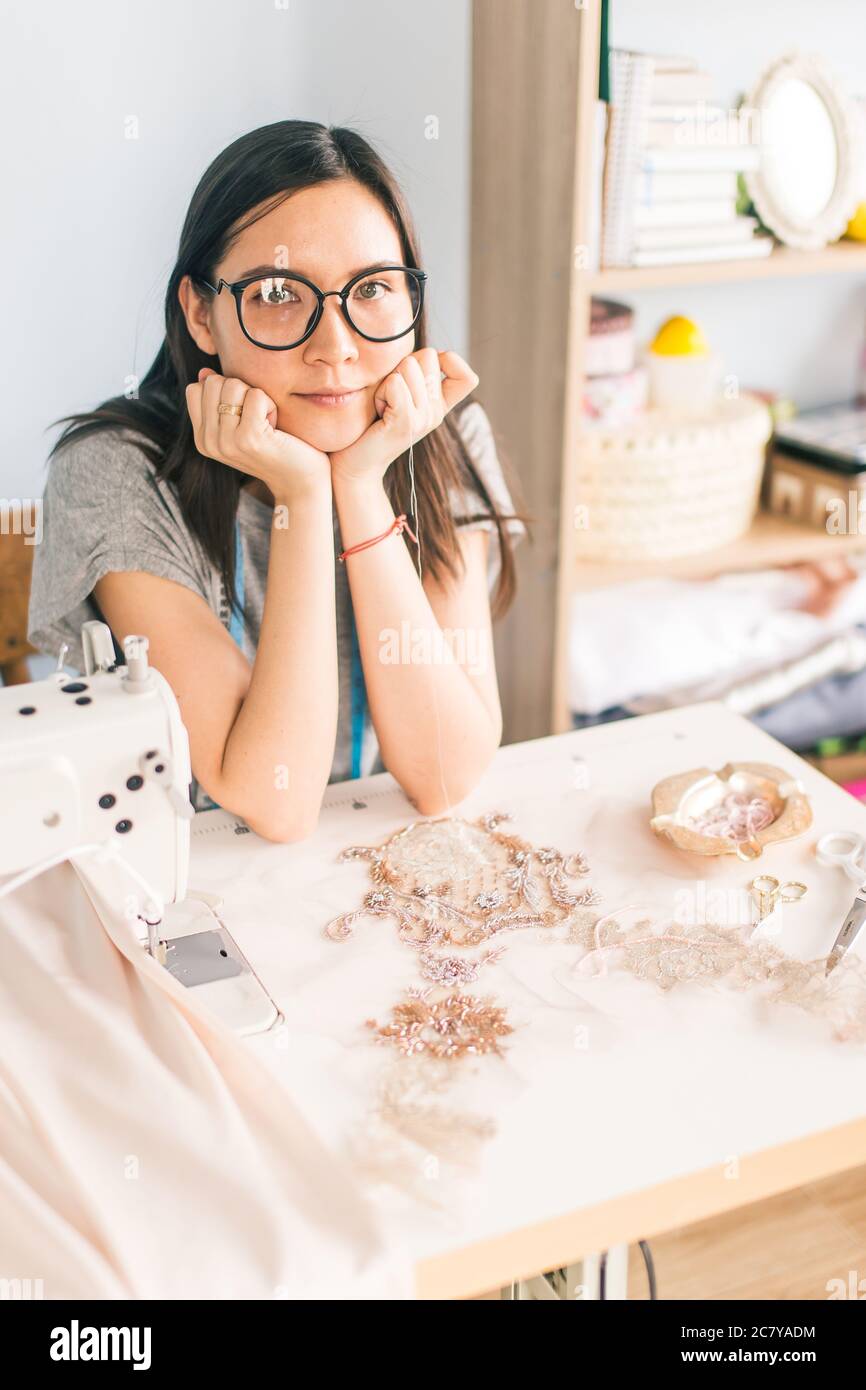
(460, 1025)
(451, 884)
(708, 954)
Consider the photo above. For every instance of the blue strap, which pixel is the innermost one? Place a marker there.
(359, 702)
(236, 626)
(236, 623)
(359, 689)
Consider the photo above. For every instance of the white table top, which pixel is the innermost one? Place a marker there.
(618, 1111)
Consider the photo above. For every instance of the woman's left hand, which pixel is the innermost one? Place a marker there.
(410, 402)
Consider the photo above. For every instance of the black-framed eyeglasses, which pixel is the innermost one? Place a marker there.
(281, 310)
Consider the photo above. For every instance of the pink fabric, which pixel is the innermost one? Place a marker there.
(144, 1151)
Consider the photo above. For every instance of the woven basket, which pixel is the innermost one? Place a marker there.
(670, 484)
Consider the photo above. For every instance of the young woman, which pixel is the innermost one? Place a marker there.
(244, 509)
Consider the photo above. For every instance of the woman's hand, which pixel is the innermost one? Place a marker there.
(410, 402)
(827, 581)
(250, 442)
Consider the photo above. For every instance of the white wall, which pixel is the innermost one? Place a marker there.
(91, 218)
(101, 210)
(803, 337)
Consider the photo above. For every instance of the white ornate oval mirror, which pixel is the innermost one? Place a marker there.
(805, 190)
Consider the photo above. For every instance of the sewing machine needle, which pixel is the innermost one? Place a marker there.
(850, 928)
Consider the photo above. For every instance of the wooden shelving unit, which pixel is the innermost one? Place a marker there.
(843, 258)
(534, 84)
(771, 541)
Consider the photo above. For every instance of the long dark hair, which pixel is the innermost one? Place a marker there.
(263, 168)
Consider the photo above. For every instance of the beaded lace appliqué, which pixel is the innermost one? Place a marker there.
(453, 882)
(411, 1138)
(457, 883)
(452, 885)
(458, 1026)
(706, 954)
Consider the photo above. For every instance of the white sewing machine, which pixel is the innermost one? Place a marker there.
(94, 758)
(96, 769)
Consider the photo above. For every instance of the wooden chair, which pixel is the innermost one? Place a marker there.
(16, 564)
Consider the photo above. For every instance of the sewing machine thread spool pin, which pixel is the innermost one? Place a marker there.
(138, 677)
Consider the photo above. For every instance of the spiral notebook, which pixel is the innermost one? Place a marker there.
(631, 77)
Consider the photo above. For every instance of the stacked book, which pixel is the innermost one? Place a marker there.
(671, 167)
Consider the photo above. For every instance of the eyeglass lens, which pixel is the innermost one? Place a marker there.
(277, 311)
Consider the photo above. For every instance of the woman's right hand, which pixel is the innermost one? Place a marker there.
(250, 442)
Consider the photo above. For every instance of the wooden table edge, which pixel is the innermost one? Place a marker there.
(640, 1215)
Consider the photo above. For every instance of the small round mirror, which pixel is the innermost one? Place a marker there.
(805, 190)
(800, 161)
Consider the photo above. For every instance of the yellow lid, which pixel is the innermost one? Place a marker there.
(679, 337)
(857, 226)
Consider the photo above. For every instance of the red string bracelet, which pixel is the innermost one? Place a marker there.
(397, 527)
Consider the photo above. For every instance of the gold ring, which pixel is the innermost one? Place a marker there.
(765, 884)
(223, 409)
(789, 897)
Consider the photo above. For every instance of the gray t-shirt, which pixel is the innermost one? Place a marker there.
(105, 510)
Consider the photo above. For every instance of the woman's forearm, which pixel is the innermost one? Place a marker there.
(279, 754)
(435, 732)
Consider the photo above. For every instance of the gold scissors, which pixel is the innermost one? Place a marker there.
(768, 891)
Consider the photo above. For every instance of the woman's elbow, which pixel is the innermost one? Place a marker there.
(283, 825)
(445, 790)
(279, 832)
